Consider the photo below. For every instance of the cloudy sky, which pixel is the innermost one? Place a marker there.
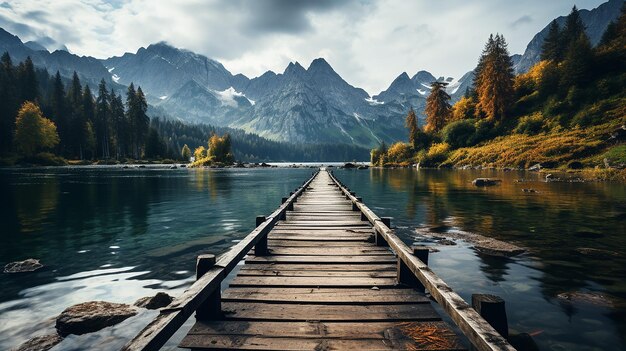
(368, 42)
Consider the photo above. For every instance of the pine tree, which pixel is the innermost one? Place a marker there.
(131, 111)
(142, 121)
(87, 137)
(101, 120)
(494, 80)
(29, 88)
(438, 109)
(577, 63)
(551, 48)
(573, 29)
(119, 125)
(76, 117)
(8, 102)
(411, 124)
(59, 109)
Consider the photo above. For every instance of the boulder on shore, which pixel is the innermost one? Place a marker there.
(157, 301)
(349, 165)
(88, 317)
(28, 265)
(40, 343)
(486, 181)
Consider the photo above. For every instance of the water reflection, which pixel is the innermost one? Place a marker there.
(118, 234)
(554, 222)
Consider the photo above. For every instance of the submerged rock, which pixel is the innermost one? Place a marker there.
(591, 298)
(596, 252)
(483, 244)
(40, 343)
(486, 181)
(159, 300)
(28, 265)
(88, 317)
(446, 242)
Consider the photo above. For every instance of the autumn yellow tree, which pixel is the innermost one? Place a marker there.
(438, 109)
(199, 153)
(220, 148)
(494, 80)
(463, 109)
(33, 131)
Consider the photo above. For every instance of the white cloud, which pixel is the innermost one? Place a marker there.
(368, 43)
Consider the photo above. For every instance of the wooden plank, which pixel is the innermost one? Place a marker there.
(323, 250)
(231, 342)
(272, 242)
(321, 259)
(322, 267)
(253, 311)
(376, 335)
(361, 296)
(308, 282)
(315, 273)
(320, 238)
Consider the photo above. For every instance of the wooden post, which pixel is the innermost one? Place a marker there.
(211, 308)
(493, 310)
(386, 221)
(380, 241)
(406, 276)
(355, 207)
(260, 249)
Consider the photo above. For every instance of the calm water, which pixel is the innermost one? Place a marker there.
(117, 235)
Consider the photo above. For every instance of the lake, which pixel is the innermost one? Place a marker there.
(107, 233)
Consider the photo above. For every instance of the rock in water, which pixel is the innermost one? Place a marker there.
(40, 343)
(27, 265)
(486, 181)
(92, 316)
(591, 298)
(159, 300)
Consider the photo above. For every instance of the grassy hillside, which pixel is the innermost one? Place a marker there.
(563, 113)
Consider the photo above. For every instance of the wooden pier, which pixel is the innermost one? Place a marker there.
(323, 272)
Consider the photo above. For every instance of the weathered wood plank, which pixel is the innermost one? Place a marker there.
(312, 243)
(308, 282)
(321, 259)
(253, 311)
(323, 250)
(394, 335)
(315, 273)
(361, 296)
(231, 342)
(379, 267)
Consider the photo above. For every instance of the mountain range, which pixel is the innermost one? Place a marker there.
(306, 105)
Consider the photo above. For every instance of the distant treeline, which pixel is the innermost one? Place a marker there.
(88, 127)
(251, 147)
(112, 125)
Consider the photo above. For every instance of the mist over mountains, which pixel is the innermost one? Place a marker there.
(305, 105)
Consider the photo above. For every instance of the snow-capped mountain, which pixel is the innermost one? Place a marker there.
(313, 104)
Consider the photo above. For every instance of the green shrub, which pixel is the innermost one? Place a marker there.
(459, 133)
(530, 125)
